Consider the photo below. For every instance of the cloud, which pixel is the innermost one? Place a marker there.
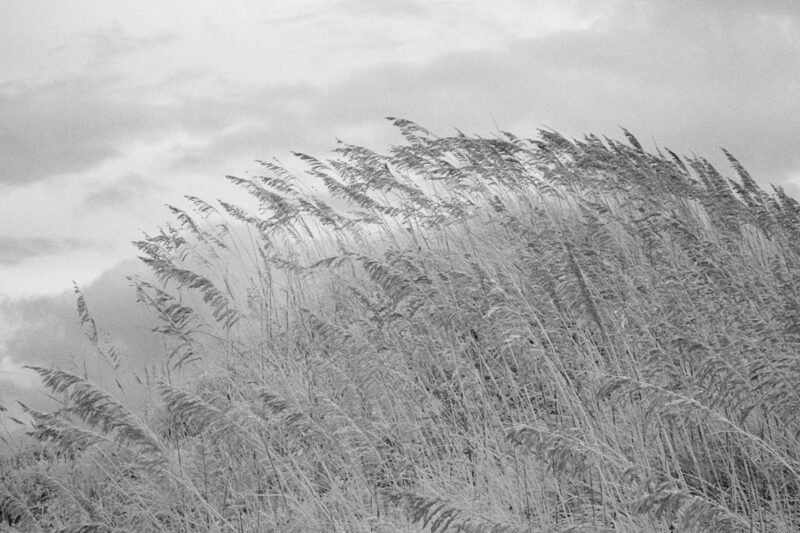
(391, 8)
(61, 127)
(147, 85)
(77, 123)
(260, 122)
(15, 374)
(15, 250)
(45, 332)
(691, 79)
(122, 192)
(685, 73)
(114, 42)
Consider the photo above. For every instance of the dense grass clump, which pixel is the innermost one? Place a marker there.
(466, 334)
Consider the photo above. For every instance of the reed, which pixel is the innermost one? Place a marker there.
(462, 334)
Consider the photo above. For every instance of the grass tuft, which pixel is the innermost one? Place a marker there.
(462, 334)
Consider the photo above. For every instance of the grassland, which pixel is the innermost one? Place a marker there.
(462, 334)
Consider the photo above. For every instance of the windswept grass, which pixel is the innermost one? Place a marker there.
(465, 334)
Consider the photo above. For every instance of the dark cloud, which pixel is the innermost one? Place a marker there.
(66, 126)
(47, 333)
(690, 75)
(75, 124)
(122, 192)
(15, 250)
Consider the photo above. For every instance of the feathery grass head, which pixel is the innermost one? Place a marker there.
(466, 334)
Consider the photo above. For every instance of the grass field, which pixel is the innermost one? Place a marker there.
(463, 334)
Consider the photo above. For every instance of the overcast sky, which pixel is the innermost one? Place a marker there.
(110, 109)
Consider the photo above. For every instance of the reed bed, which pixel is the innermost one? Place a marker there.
(462, 334)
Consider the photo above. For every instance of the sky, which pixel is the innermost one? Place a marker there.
(109, 110)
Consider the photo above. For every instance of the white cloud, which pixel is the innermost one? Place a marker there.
(14, 373)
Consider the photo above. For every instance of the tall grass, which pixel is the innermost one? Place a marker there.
(464, 334)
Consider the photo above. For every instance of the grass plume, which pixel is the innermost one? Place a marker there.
(462, 334)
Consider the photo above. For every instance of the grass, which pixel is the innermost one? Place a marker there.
(464, 334)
